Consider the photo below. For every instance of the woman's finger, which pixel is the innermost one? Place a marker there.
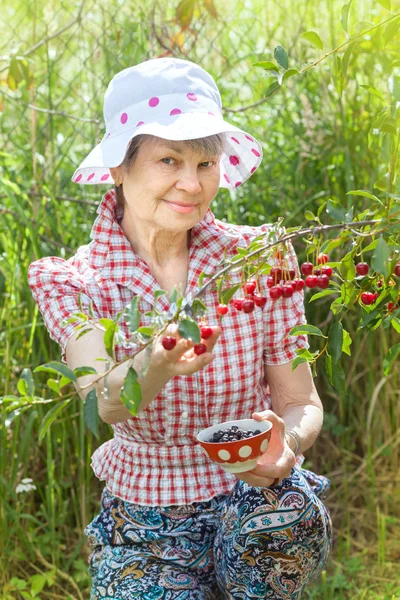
(252, 479)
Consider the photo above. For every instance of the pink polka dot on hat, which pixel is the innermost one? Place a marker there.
(173, 99)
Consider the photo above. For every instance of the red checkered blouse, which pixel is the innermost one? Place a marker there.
(154, 459)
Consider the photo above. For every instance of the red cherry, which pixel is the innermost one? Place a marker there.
(322, 281)
(276, 273)
(238, 303)
(306, 268)
(375, 295)
(168, 342)
(299, 284)
(368, 298)
(205, 332)
(287, 290)
(396, 270)
(317, 272)
(260, 301)
(275, 292)
(270, 282)
(322, 259)
(222, 309)
(250, 287)
(292, 273)
(379, 283)
(326, 271)
(248, 306)
(391, 306)
(362, 268)
(200, 349)
(311, 281)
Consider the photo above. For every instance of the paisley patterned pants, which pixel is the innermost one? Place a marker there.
(255, 542)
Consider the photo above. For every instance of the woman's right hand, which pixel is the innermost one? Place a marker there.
(182, 360)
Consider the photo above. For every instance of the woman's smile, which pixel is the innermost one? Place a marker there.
(181, 208)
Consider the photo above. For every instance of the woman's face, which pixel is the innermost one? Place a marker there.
(169, 185)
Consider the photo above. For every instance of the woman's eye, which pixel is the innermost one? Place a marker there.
(207, 162)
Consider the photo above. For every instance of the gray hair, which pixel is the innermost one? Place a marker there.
(209, 146)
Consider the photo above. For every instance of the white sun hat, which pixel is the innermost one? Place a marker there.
(173, 99)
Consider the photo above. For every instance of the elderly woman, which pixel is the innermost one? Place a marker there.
(172, 523)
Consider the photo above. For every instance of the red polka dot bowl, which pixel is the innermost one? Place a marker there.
(241, 455)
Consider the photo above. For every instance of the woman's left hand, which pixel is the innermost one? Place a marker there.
(277, 461)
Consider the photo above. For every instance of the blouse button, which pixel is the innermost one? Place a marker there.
(184, 415)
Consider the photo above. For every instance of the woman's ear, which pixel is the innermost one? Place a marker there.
(116, 174)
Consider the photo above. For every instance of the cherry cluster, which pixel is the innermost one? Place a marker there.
(283, 283)
(169, 342)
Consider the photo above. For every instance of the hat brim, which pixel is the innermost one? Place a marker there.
(242, 156)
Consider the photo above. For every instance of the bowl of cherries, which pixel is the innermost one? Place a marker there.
(236, 445)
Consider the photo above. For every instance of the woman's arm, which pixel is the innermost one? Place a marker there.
(296, 406)
(295, 399)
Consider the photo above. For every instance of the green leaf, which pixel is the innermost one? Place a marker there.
(335, 374)
(131, 393)
(345, 15)
(56, 367)
(336, 211)
(346, 58)
(390, 31)
(50, 417)
(310, 215)
(335, 341)
(91, 412)
(281, 56)
(189, 329)
(54, 385)
(313, 38)
(338, 378)
(365, 194)
(27, 376)
(297, 361)
(386, 4)
(81, 371)
(37, 583)
(184, 13)
(390, 357)
(306, 329)
(229, 293)
(198, 308)
(147, 331)
(347, 268)
(132, 314)
(159, 293)
(337, 73)
(289, 73)
(109, 337)
(394, 86)
(22, 387)
(347, 341)
(211, 8)
(374, 91)
(267, 65)
(327, 292)
(269, 91)
(380, 258)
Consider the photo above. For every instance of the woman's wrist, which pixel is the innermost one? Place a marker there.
(293, 441)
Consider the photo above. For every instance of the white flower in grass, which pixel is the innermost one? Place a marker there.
(26, 485)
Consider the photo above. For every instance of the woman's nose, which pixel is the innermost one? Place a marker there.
(189, 181)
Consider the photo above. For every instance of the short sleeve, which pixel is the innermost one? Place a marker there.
(55, 285)
(280, 316)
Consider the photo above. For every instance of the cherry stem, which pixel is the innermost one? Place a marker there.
(289, 236)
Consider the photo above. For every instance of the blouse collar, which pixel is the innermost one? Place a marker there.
(111, 253)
